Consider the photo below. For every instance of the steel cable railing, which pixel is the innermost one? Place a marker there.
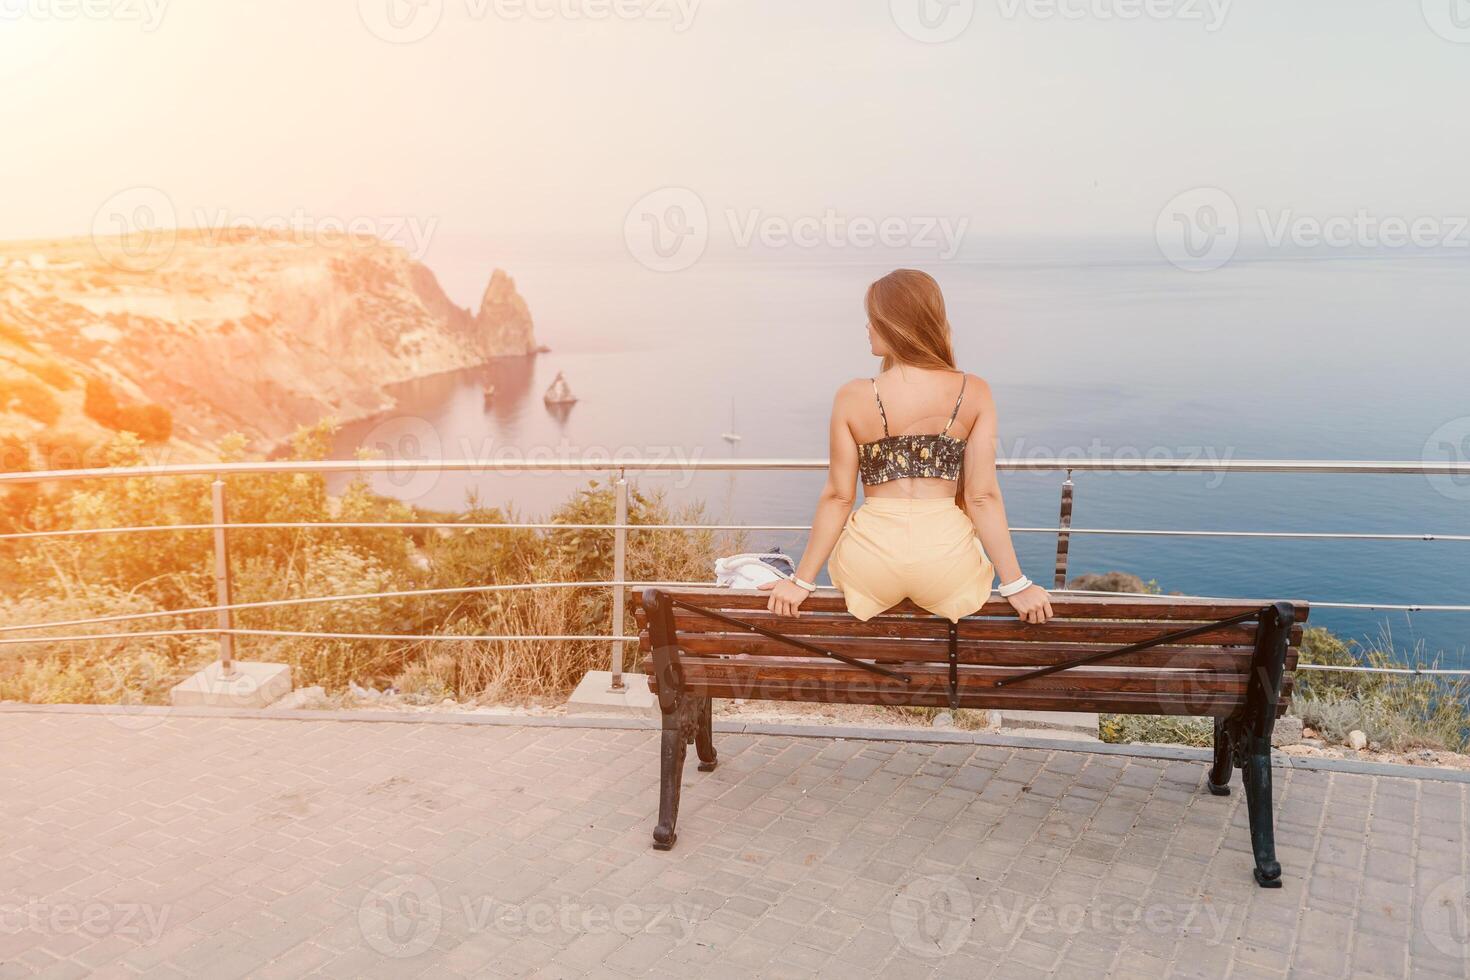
(225, 608)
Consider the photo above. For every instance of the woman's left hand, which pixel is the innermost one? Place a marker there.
(1033, 604)
(786, 597)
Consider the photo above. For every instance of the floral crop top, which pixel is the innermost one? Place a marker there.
(899, 457)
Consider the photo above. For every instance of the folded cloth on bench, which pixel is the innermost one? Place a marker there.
(925, 549)
(750, 571)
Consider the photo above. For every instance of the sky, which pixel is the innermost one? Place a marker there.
(529, 120)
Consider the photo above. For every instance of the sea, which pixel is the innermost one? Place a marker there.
(1097, 351)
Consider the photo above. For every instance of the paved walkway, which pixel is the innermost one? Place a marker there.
(224, 847)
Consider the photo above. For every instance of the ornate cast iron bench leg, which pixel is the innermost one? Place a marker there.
(1219, 778)
(1250, 735)
(678, 732)
(1255, 772)
(704, 734)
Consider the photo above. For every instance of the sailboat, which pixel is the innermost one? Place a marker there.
(560, 393)
(731, 436)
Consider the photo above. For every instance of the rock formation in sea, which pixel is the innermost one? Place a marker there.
(254, 333)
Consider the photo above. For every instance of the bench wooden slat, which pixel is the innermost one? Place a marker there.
(1183, 608)
(701, 670)
(1116, 632)
(1234, 659)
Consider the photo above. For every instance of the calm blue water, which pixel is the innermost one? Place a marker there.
(1347, 358)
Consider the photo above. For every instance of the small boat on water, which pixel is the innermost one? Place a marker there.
(560, 393)
(731, 436)
(489, 394)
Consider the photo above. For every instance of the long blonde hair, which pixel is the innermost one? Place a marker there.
(906, 309)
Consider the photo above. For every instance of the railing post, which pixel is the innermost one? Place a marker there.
(620, 569)
(1064, 534)
(222, 581)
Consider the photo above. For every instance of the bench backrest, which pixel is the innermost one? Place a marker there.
(1209, 673)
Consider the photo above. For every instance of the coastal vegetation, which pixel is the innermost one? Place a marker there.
(63, 579)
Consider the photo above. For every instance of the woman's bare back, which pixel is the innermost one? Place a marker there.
(916, 401)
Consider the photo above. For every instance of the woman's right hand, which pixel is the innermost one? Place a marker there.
(1032, 604)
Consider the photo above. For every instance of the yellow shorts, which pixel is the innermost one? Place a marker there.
(925, 550)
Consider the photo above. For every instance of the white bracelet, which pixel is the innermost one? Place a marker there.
(1019, 585)
(804, 584)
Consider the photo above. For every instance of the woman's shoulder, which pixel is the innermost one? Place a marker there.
(855, 388)
(976, 385)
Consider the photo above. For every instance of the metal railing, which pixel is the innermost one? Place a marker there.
(220, 525)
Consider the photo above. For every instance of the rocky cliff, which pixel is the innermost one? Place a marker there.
(254, 333)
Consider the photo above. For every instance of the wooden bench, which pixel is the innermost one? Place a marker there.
(1159, 655)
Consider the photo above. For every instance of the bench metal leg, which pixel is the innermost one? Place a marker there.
(704, 734)
(682, 713)
(1256, 774)
(672, 748)
(1219, 778)
(1250, 735)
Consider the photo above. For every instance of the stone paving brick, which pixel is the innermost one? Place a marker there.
(282, 849)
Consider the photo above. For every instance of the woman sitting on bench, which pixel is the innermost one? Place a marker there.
(932, 527)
